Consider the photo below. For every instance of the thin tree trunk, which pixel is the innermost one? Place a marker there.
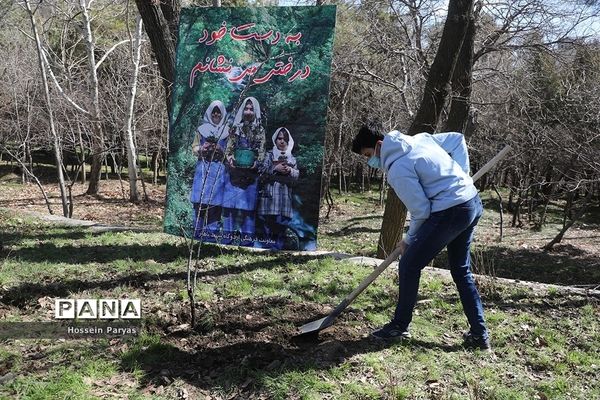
(569, 224)
(27, 156)
(339, 149)
(339, 179)
(131, 150)
(97, 134)
(55, 138)
(83, 152)
(391, 234)
(501, 212)
(155, 163)
(329, 201)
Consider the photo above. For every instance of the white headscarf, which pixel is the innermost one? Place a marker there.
(278, 153)
(208, 128)
(239, 116)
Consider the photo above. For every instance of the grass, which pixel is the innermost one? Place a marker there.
(547, 342)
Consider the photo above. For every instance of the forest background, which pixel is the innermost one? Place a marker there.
(82, 88)
(535, 76)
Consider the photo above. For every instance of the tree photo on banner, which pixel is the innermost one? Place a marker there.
(247, 125)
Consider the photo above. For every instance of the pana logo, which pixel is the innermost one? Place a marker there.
(97, 309)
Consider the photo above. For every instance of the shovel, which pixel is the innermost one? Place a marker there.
(320, 324)
(315, 326)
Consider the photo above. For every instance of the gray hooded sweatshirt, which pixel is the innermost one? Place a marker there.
(429, 173)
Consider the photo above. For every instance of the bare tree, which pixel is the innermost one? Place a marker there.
(55, 137)
(130, 139)
(95, 113)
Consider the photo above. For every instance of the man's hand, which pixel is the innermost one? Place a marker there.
(402, 246)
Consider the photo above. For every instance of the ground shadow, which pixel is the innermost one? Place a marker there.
(345, 231)
(523, 301)
(365, 217)
(566, 265)
(241, 353)
(24, 293)
(61, 233)
(50, 253)
(244, 367)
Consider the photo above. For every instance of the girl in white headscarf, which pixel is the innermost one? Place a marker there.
(209, 146)
(279, 175)
(244, 154)
(243, 115)
(247, 132)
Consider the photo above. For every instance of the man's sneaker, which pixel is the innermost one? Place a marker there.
(472, 341)
(391, 331)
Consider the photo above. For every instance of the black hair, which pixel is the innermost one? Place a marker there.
(364, 139)
(286, 135)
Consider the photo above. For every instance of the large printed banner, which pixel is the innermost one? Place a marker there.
(247, 125)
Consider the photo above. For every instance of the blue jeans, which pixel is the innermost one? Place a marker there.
(452, 228)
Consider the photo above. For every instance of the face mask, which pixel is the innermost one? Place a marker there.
(374, 162)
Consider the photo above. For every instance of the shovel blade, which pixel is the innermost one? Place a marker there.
(316, 326)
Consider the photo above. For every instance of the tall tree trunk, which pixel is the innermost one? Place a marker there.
(460, 105)
(159, 22)
(340, 129)
(131, 150)
(427, 117)
(97, 134)
(55, 138)
(439, 78)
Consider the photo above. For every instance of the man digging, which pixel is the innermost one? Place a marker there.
(430, 175)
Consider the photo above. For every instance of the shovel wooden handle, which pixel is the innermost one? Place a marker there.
(490, 164)
(394, 255)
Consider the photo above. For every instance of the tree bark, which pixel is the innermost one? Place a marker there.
(462, 78)
(394, 218)
(340, 130)
(97, 133)
(55, 137)
(131, 150)
(437, 86)
(158, 27)
(427, 117)
(83, 153)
